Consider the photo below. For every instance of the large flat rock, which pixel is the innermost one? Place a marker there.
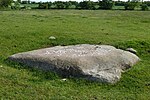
(101, 63)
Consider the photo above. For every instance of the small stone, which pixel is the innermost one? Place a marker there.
(64, 79)
(131, 50)
(52, 38)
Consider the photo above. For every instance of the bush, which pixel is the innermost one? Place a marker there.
(144, 7)
(130, 5)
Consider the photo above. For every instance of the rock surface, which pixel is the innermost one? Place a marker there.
(101, 63)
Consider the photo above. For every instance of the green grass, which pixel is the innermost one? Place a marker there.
(22, 31)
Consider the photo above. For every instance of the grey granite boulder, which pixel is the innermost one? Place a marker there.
(101, 63)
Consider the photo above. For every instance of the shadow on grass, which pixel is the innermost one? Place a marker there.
(48, 75)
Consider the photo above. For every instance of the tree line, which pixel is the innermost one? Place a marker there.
(89, 5)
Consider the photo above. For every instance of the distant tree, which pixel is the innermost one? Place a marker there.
(59, 4)
(17, 5)
(147, 3)
(28, 1)
(86, 5)
(33, 2)
(106, 4)
(19, 1)
(49, 5)
(119, 3)
(43, 6)
(74, 3)
(135, 0)
(144, 7)
(130, 5)
(24, 2)
(67, 4)
(5, 3)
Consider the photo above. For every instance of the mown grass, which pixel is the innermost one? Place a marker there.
(28, 30)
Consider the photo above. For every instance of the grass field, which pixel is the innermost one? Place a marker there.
(28, 30)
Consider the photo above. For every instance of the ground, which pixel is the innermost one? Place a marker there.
(26, 30)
